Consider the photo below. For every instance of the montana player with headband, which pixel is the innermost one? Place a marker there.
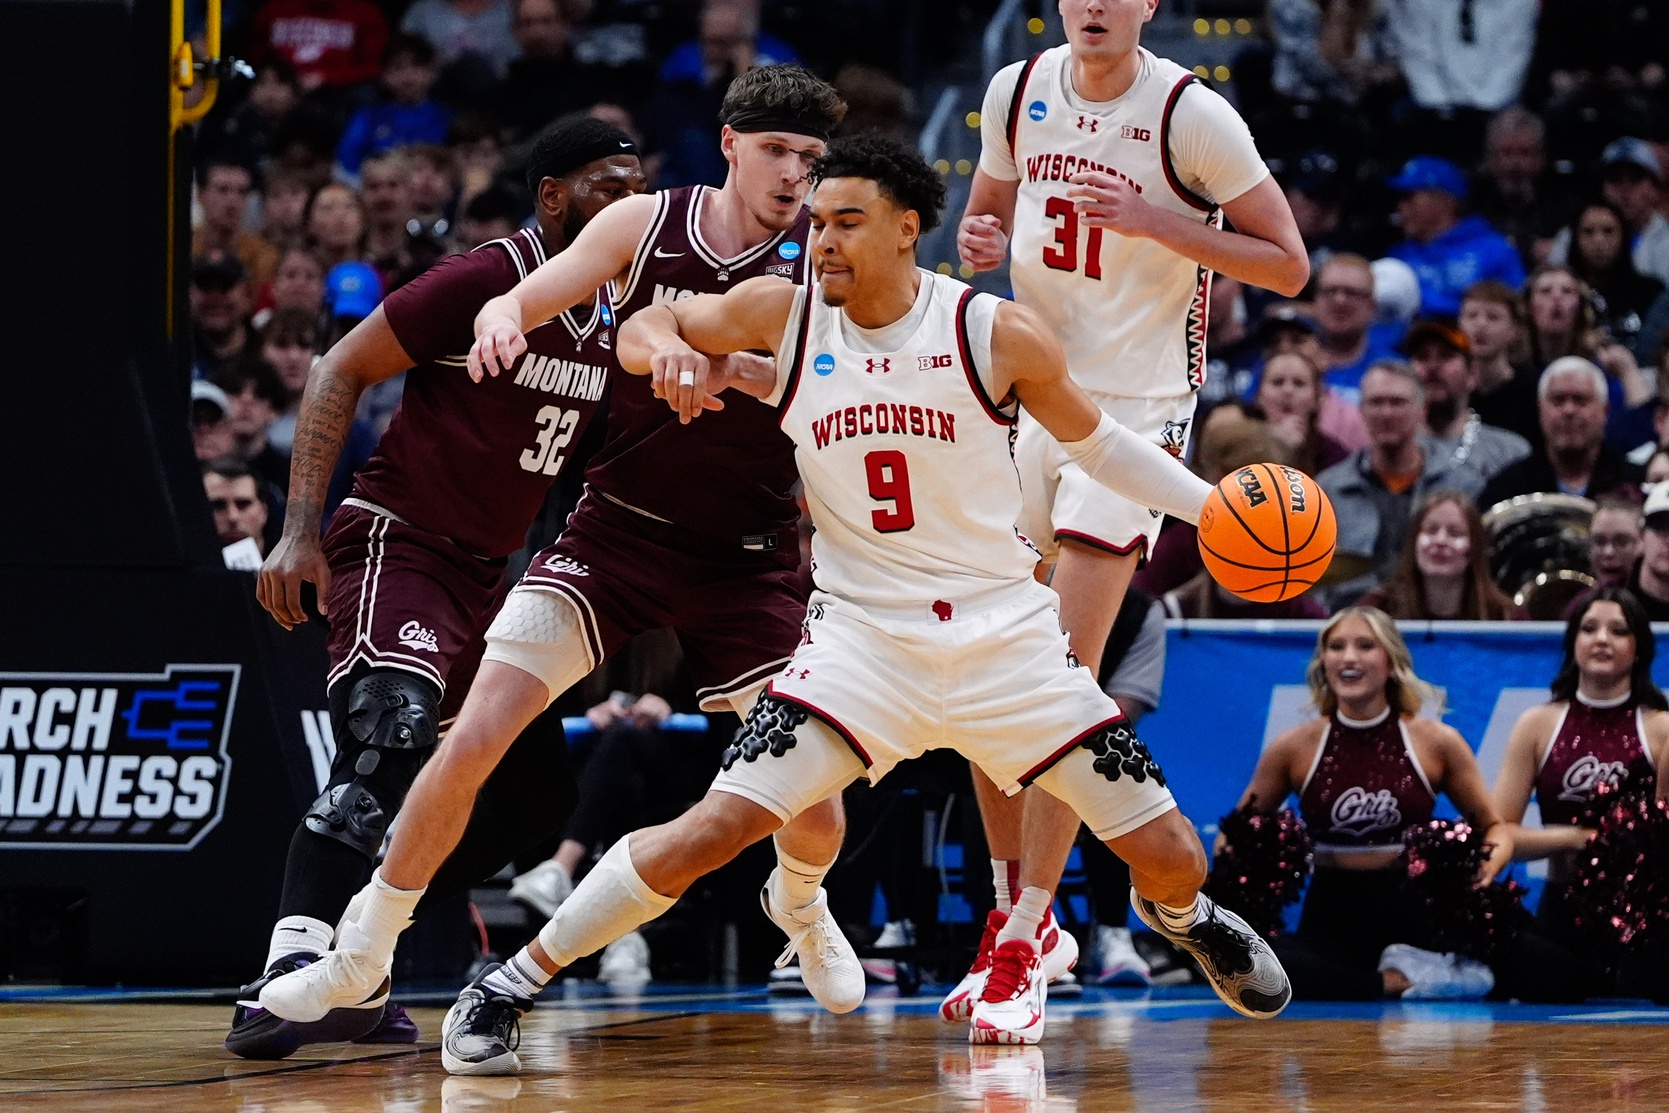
(680, 528)
(1105, 174)
(899, 388)
(412, 569)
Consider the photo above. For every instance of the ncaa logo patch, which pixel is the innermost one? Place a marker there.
(608, 315)
(1037, 110)
(115, 761)
(788, 249)
(823, 364)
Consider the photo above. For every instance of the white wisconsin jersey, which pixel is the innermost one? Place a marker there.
(1130, 312)
(907, 461)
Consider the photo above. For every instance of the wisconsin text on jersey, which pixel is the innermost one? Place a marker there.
(883, 419)
(1058, 167)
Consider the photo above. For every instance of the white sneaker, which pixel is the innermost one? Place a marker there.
(1437, 977)
(339, 980)
(828, 964)
(625, 962)
(542, 889)
(482, 1030)
(1119, 963)
(1058, 950)
(1010, 1007)
(958, 1005)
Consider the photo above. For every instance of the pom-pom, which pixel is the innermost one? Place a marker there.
(1442, 860)
(1263, 866)
(1621, 884)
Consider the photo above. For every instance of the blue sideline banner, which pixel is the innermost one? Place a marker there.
(1231, 687)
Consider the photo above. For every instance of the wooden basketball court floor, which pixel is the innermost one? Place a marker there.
(702, 1049)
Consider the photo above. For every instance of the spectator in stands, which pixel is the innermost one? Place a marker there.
(1575, 459)
(284, 206)
(297, 285)
(1563, 322)
(1600, 257)
(331, 44)
(491, 215)
(1441, 355)
(390, 246)
(235, 496)
(1615, 534)
(249, 131)
(211, 431)
(1448, 253)
(1344, 312)
(477, 32)
(1231, 352)
(876, 103)
(1650, 579)
(220, 306)
(289, 345)
(352, 291)
(1492, 317)
(405, 115)
(223, 189)
(1375, 489)
(335, 225)
(255, 396)
(1657, 467)
(1516, 193)
(1460, 57)
(1315, 193)
(1633, 183)
(1290, 394)
(477, 155)
(1330, 49)
(546, 80)
(434, 188)
(1444, 571)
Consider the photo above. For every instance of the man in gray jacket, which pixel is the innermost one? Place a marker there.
(1441, 356)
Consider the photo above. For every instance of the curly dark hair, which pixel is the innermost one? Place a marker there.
(897, 168)
(786, 90)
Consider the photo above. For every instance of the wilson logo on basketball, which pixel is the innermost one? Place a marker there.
(1295, 488)
(1250, 487)
(114, 761)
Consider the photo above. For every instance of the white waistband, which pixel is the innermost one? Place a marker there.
(943, 609)
(374, 508)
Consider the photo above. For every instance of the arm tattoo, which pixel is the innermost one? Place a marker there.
(327, 412)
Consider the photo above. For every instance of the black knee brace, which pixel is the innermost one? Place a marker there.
(387, 710)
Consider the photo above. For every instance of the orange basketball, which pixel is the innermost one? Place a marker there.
(1267, 532)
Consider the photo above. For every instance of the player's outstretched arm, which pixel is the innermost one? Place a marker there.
(1030, 362)
(601, 252)
(673, 343)
(366, 356)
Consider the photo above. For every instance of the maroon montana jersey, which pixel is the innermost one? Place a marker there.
(1366, 786)
(472, 461)
(730, 473)
(1593, 745)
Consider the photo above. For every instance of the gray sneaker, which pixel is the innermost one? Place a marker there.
(1437, 977)
(1237, 961)
(542, 889)
(482, 1030)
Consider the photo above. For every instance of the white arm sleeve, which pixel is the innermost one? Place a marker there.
(995, 158)
(1212, 148)
(1139, 470)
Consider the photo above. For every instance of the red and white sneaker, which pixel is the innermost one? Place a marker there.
(959, 1005)
(1058, 948)
(1010, 1008)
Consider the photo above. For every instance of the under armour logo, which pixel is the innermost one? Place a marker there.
(1088, 123)
(877, 366)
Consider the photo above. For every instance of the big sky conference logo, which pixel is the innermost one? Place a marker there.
(114, 761)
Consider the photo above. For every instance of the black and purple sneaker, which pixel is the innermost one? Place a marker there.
(396, 1026)
(259, 1034)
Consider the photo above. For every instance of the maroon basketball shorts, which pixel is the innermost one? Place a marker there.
(401, 597)
(737, 613)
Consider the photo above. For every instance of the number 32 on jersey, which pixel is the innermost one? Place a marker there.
(556, 429)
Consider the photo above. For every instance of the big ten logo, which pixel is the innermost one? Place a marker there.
(115, 761)
(931, 363)
(1251, 487)
(1141, 135)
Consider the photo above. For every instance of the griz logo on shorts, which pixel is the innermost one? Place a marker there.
(1119, 753)
(1295, 489)
(1251, 487)
(1360, 812)
(414, 636)
(114, 761)
(769, 730)
(1585, 776)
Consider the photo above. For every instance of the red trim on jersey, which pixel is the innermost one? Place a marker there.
(1014, 106)
(823, 717)
(1137, 546)
(1182, 191)
(1047, 763)
(966, 350)
(795, 366)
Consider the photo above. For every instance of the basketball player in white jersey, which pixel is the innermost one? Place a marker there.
(899, 388)
(1108, 171)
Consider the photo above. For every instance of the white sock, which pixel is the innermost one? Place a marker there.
(1026, 920)
(1180, 919)
(520, 977)
(794, 883)
(1005, 879)
(298, 933)
(382, 918)
(611, 901)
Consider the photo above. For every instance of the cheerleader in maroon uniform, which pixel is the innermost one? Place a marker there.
(1607, 725)
(1364, 773)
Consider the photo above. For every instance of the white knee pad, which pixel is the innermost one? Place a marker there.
(611, 901)
(785, 761)
(539, 633)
